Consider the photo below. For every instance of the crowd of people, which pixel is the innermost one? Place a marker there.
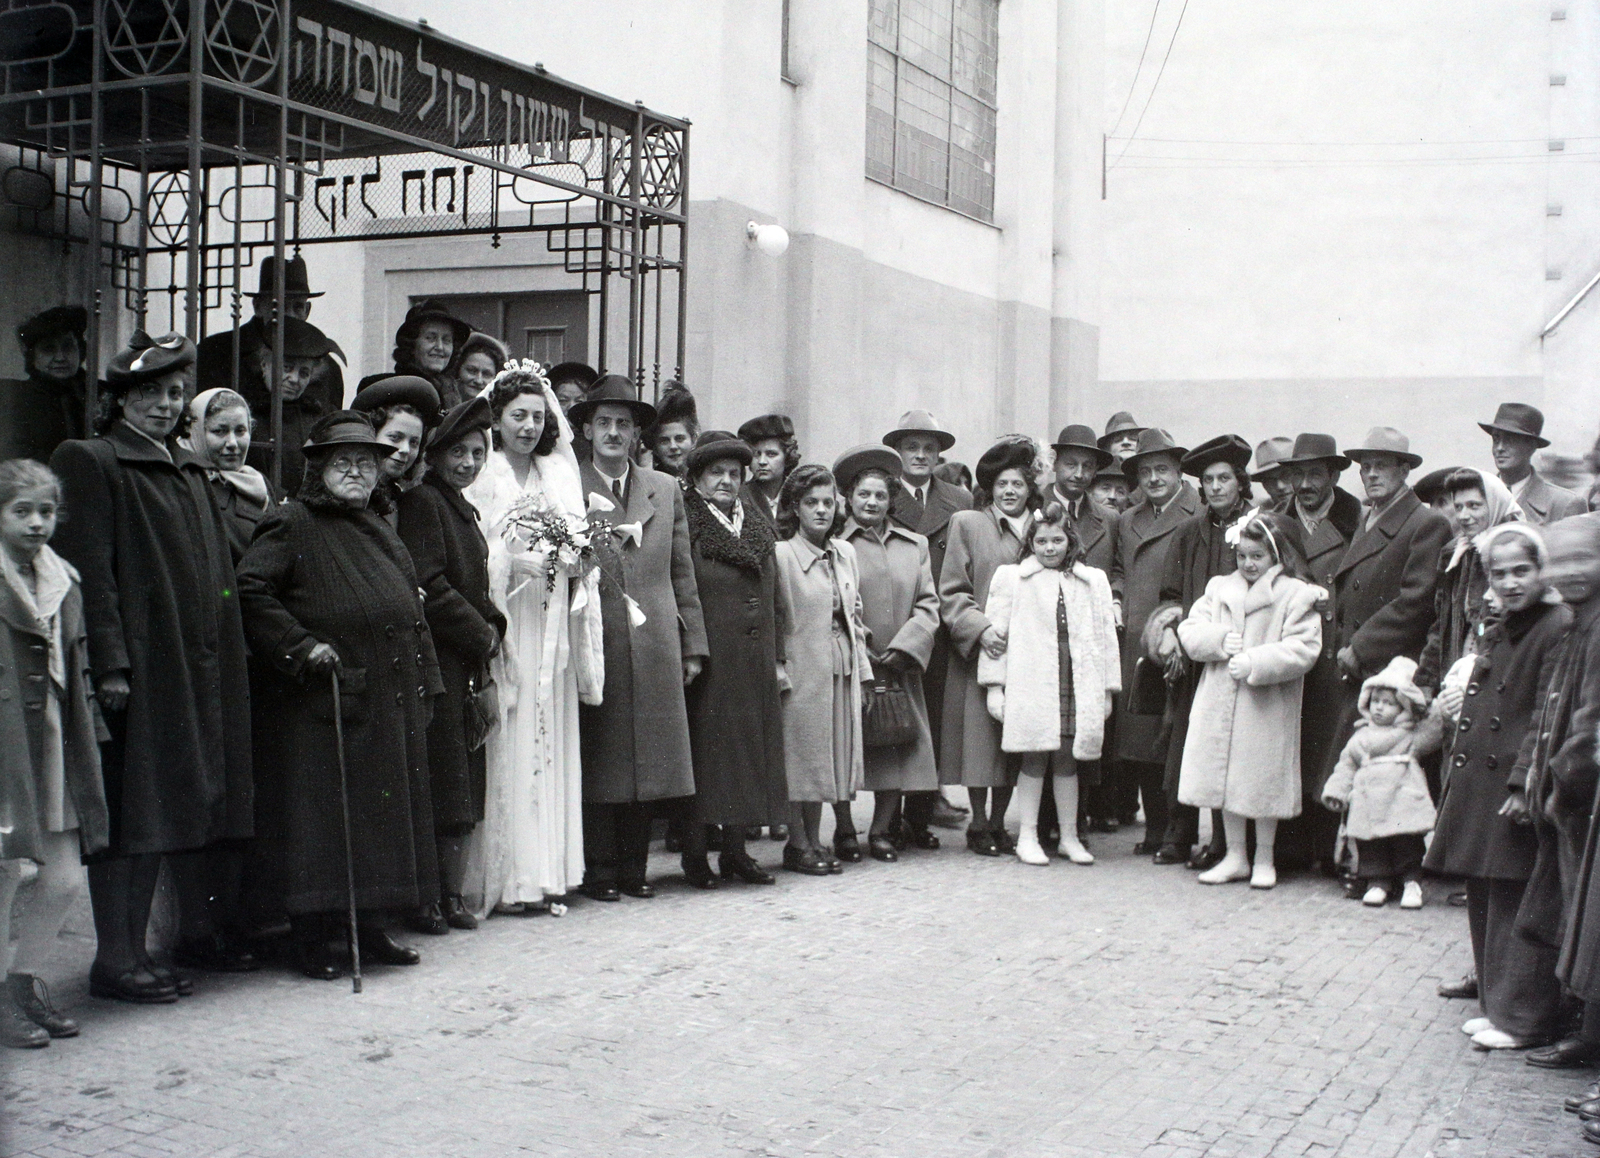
(503, 618)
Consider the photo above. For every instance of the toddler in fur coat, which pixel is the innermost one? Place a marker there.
(1052, 688)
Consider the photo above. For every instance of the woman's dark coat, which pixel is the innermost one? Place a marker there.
(38, 414)
(1471, 838)
(735, 714)
(440, 529)
(24, 670)
(299, 417)
(1458, 608)
(240, 514)
(159, 601)
(326, 573)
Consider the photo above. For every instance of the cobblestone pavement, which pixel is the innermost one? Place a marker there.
(946, 1005)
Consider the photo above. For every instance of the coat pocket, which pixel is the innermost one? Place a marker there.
(352, 696)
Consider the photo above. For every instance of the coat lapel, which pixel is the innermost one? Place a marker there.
(1374, 539)
(14, 613)
(1157, 527)
(939, 507)
(642, 497)
(1536, 498)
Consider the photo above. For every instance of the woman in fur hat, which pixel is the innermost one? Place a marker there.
(675, 429)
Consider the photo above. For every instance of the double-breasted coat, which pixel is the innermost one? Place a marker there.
(1471, 838)
(1325, 692)
(1138, 562)
(321, 572)
(735, 713)
(969, 748)
(1094, 524)
(931, 520)
(1243, 749)
(1543, 502)
(635, 744)
(160, 607)
(439, 527)
(24, 684)
(900, 610)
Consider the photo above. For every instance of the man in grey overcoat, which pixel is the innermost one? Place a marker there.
(1518, 431)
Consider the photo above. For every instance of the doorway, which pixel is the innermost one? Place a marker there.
(547, 326)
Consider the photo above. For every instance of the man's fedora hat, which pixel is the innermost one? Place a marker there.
(295, 280)
(1316, 448)
(919, 422)
(1228, 448)
(1152, 441)
(713, 446)
(1120, 423)
(1080, 437)
(1271, 456)
(1518, 418)
(1384, 440)
(616, 389)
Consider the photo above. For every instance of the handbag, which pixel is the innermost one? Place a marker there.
(483, 711)
(887, 718)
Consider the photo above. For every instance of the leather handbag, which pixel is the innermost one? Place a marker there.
(887, 717)
(482, 713)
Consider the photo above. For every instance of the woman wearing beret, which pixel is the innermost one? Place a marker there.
(402, 409)
(428, 345)
(439, 526)
(328, 588)
(735, 714)
(166, 649)
(983, 539)
(900, 610)
(40, 412)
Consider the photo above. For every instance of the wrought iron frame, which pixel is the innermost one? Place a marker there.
(136, 124)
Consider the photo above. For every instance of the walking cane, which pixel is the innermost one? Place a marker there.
(349, 847)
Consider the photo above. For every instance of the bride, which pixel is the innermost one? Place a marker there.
(529, 849)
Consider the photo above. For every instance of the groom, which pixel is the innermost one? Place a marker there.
(635, 743)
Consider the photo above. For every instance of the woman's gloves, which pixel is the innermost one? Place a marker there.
(997, 703)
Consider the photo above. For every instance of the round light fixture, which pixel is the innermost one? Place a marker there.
(771, 240)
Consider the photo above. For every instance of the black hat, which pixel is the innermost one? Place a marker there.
(1111, 472)
(432, 311)
(617, 389)
(779, 426)
(1430, 487)
(344, 428)
(1316, 448)
(713, 446)
(1120, 423)
(480, 343)
(396, 390)
(1152, 441)
(1228, 448)
(294, 278)
(579, 372)
(1079, 437)
(72, 320)
(1007, 454)
(303, 340)
(461, 420)
(676, 405)
(1518, 418)
(869, 456)
(147, 358)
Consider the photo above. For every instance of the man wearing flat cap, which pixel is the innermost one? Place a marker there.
(1078, 458)
(924, 504)
(1518, 431)
(214, 366)
(635, 743)
(41, 411)
(773, 454)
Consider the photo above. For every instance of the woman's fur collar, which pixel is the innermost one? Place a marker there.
(749, 551)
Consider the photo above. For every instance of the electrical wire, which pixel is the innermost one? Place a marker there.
(1134, 84)
(1176, 28)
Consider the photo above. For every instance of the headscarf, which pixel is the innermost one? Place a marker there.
(1513, 530)
(247, 480)
(1501, 507)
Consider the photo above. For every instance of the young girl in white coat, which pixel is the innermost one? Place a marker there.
(1258, 632)
(1052, 688)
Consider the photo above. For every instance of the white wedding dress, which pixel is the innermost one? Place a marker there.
(530, 844)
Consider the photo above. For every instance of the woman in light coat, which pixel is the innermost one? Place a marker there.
(825, 651)
(1258, 632)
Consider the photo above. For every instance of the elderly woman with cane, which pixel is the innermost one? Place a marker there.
(327, 587)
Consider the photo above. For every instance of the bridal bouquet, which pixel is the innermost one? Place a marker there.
(561, 539)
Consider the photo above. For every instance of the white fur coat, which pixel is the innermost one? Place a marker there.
(1022, 605)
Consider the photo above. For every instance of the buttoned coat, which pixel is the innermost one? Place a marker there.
(1472, 839)
(635, 744)
(1325, 691)
(1543, 502)
(1242, 753)
(440, 529)
(1094, 525)
(321, 572)
(160, 607)
(24, 680)
(969, 747)
(806, 592)
(900, 610)
(1384, 585)
(945, 501)
(1138, 564)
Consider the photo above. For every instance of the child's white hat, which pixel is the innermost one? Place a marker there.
(1399, 677)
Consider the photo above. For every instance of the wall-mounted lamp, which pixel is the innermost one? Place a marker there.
(771, 240)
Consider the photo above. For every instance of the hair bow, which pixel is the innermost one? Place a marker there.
(1235, 532)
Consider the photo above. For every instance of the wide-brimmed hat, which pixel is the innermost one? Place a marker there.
(147, 358)
(713, 446)
(1518, 418)
(1430, 487)
(1079, 437)
(919, 422)
(433, 311)
(849, 465)
(1228, 448)
(779, 426)
(398, 390)
(303, 340)
(73, 320)
(1316, 448)
(1120, 423)
(461, 420)
(1384, 440)
(1007, 454)
(580, 372)
(1152, 441)
(295, 280)
(1270, 457)
(616, 389)
(348, 428)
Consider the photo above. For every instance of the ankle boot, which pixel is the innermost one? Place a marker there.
(32, 996)
(1028, 850)
(456, 914)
